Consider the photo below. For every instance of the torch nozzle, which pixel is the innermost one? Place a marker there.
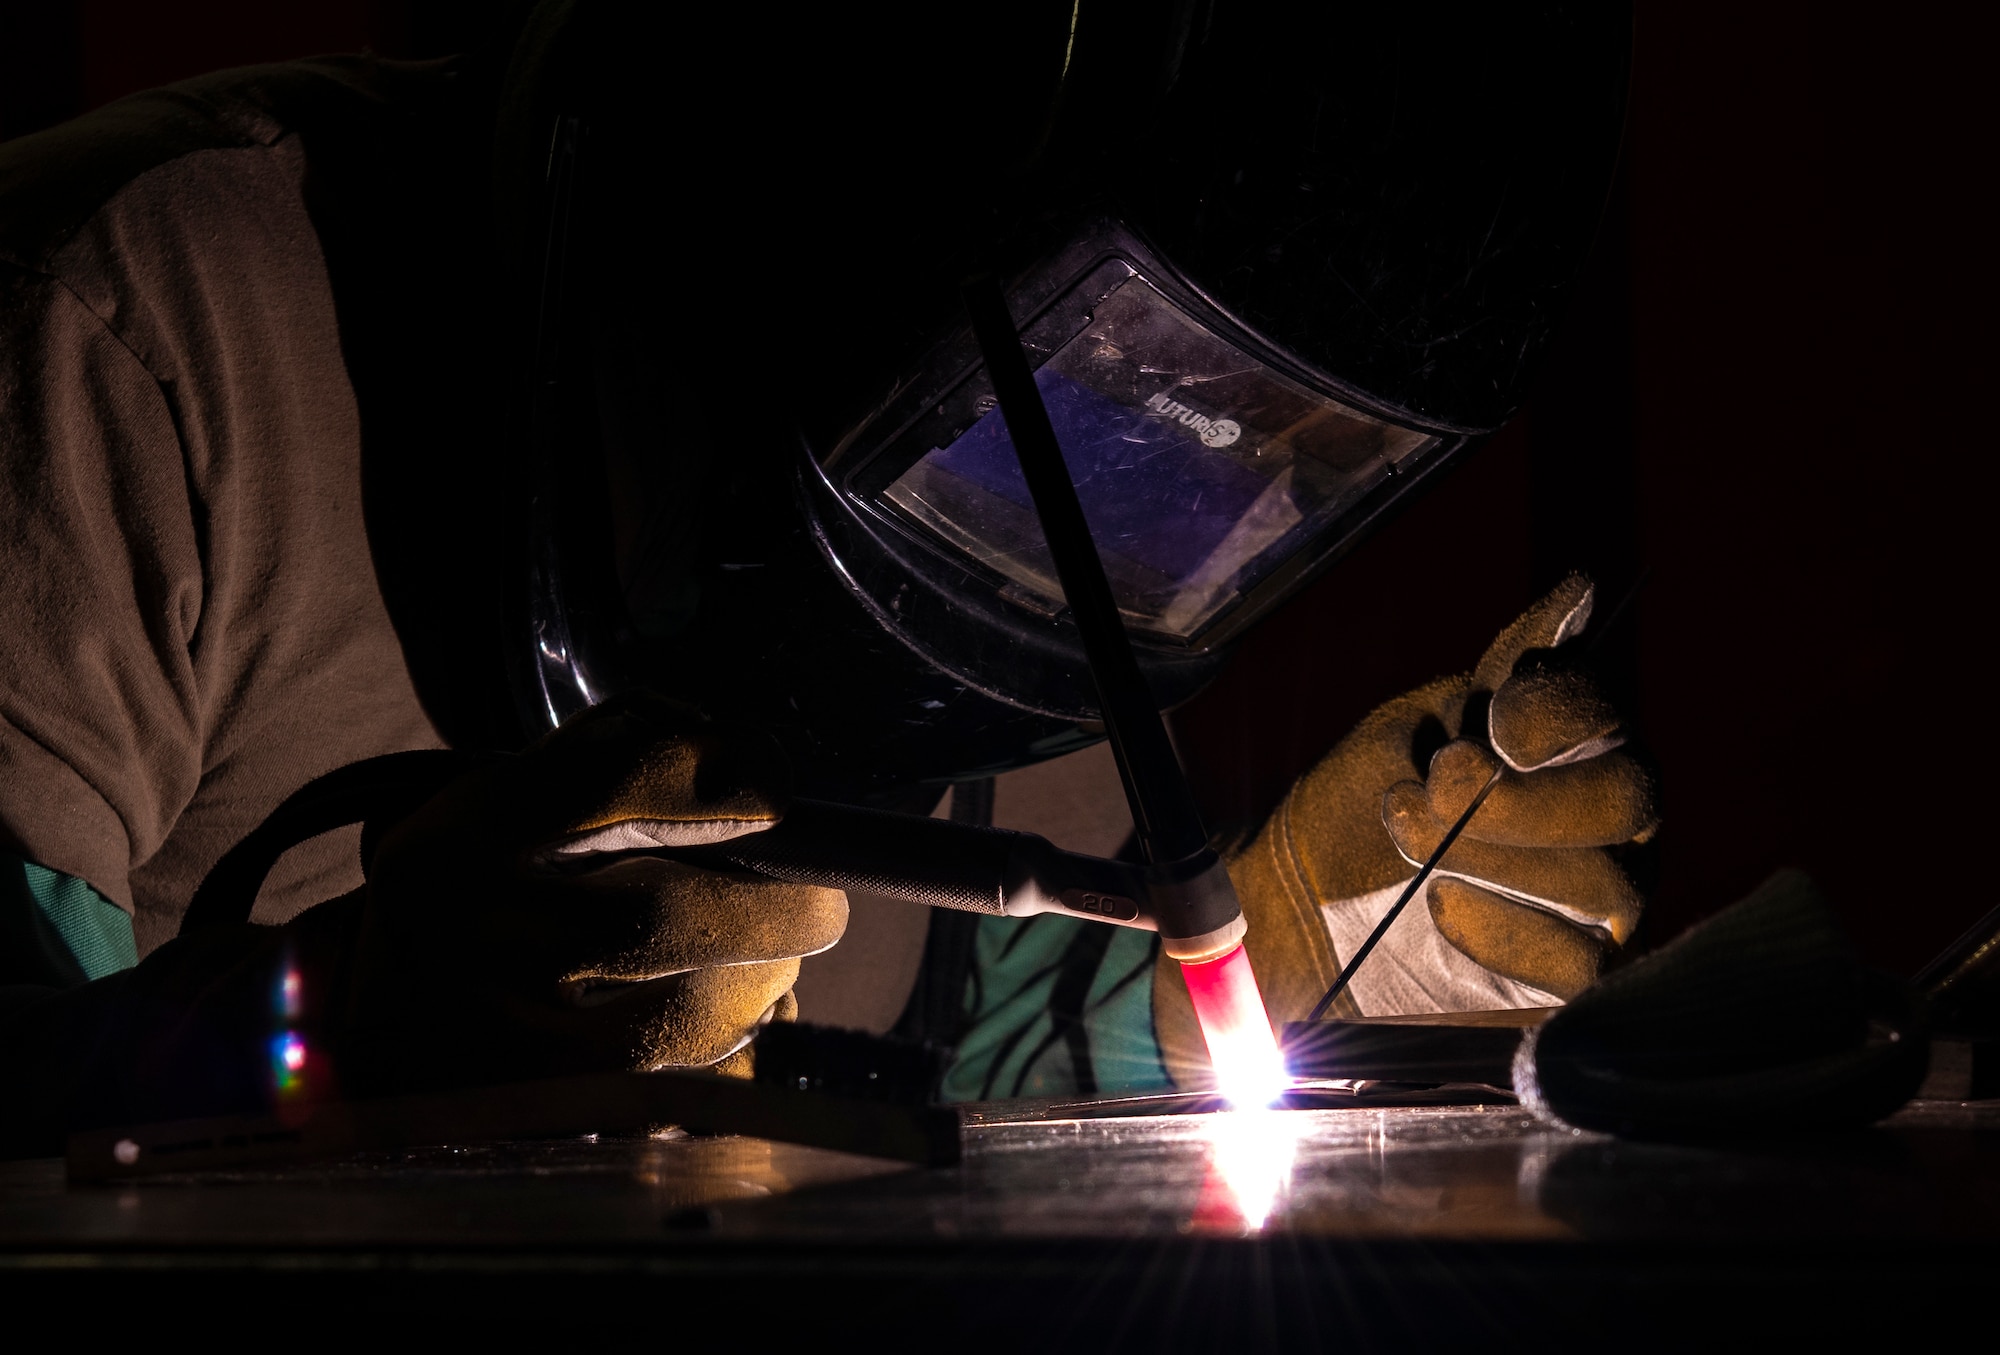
(1241, 1048)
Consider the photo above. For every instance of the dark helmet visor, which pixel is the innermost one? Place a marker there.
(1200, 468)
(1215, 468)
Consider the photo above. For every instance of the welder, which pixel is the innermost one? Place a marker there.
(604, 410)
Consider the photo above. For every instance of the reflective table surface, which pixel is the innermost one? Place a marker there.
(1072, 1225)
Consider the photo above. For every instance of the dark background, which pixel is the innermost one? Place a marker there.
(1770, 404)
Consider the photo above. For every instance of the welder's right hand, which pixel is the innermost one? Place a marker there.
(1528, 903)
(511, 930)
(1531, 895)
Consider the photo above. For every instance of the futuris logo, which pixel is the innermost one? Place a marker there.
(1213, 432)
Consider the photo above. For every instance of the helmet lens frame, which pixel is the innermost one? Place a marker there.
(1215, 473)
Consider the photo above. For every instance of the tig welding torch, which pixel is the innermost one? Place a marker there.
(944, 864)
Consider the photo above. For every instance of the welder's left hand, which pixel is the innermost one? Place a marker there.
(519, 924)
(522, 924)
(1524, 908)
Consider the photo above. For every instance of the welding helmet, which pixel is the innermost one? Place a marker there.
(1276, 269)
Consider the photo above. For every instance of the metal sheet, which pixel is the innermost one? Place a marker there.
(1465, 1172)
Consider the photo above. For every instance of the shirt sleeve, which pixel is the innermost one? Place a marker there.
(58, 931)
(102, 556)
(1057, 1006)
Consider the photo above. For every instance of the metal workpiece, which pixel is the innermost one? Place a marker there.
(1086, 1169)
(620, 1102)
(1372, 1228)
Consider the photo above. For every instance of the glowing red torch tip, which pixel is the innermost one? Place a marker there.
(1241, 1047)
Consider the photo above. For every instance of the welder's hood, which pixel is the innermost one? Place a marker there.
(1277, 267)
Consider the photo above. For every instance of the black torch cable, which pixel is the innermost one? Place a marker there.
(1163, 808)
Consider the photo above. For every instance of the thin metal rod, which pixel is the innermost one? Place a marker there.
(1346, 974)
(1960, 956)
(1409, 892)
(1163, 808)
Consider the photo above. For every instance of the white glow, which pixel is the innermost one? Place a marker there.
(1248, 1069)
(1252, 1151)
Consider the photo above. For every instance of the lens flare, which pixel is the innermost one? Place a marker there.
(1241, 1048)
(288, 1062)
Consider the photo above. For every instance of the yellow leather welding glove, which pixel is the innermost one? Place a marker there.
(1523, 908)
(511, 930)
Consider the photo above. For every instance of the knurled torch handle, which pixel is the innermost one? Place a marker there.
(935, 862)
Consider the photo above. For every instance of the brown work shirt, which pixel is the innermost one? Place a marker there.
(192, 622)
